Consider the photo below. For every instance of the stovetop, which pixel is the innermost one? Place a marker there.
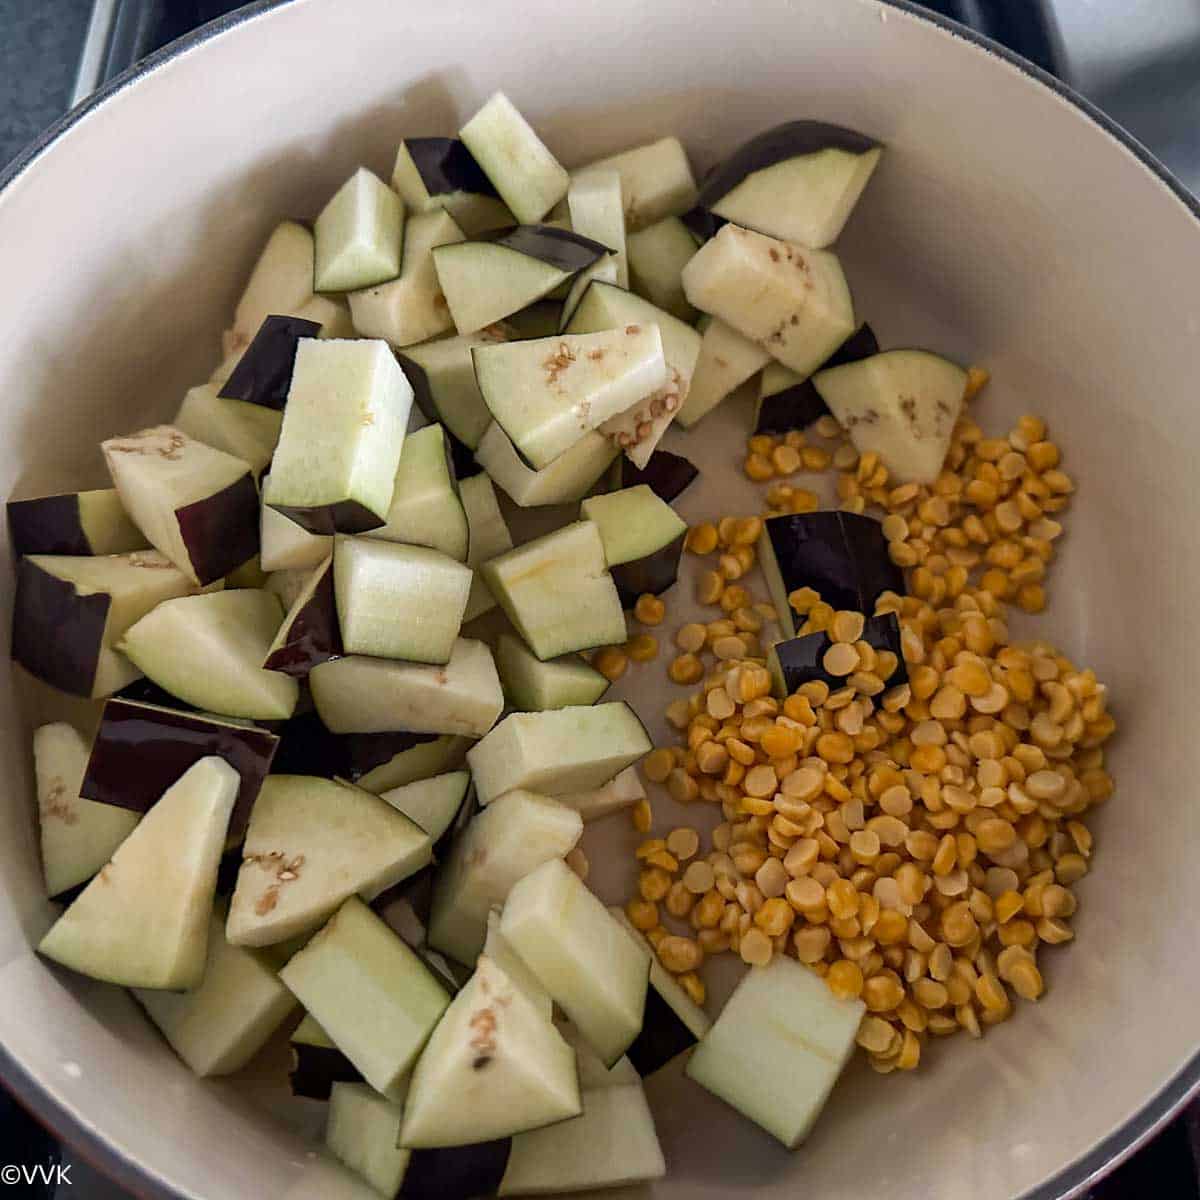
(1138, 60)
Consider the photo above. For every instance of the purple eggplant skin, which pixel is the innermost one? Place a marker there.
(263, 375)
(702, 224)
(461, 456)
(445, 165)
(141, 749)
(455, 1172)
(663, 1036)
(841, 555)
(307, 748)
(313, 635)
(557, 247)
(220, 532)
(800, 659)
(315, 1069)
(346, 516)
(667, 475)
(799, 406)
(47, 525)
(57, 634)
(651, 575)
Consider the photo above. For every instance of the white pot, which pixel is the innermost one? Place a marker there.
(1008, 225)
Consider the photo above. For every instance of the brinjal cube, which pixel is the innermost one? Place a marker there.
(343, 430)
(597, 212)
(531, 685)
(527, 176)
(370, 992)
(841, 555)
(426, 509)
(494, 1066)
(195, 504)
(317, 1064)
(499, 273)
(358, 235)
(613, 1143)
(219, 1026)
(622, 791)
(901, 405)
(143, 920)
(595, 972)
(411, 308)
(489, 538)
(566, 480)
(306, 747)
(398, 601)
(560, 751)
(310, 844)
(727, 359)
(800, 659)
(656, 181)
(361, 1133)
(778, 1047)
(310, 634)
(798, 181)
(281, 282)
(456, 1172)
(433, 803)
(499, 846)
(442, 374)
(657, 256)
(667, 475)
(507, 959)
(673, 1022)
(547, 393)
(633, 523)
(69, 613)
(789, 401)
(426, 755)
(376, 695)
(557, 591)
(286, 546)
(439, 172)
(209, 649)
(78, 836)
(792, 301)
(247, 431)
(141, 749)
(77, 523)
(263, 374)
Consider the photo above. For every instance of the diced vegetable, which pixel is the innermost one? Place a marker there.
(541, 318)
(263, 374)
(361, 1132)
(633, 523)
(656, 181)
(288, 546)
(426, 756)
(800, 659)
(557, 592)
(727, 359)
(439, 172)
(667, 475)
(456, 1172)
(489, 538)
(792, 301)
(247, 431)
(503, 955)
(778, 1047)
(281, 282)
(597, 212)
(532, 685)
(566, 480)
(310, 844)
(76, 523)
(657, 256)
(310, 634)
(358, 235)
(143, 920)
(431, 803)
(317, 1064)
(622, 791)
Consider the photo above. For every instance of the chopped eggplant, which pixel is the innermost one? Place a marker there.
(489, 538)
(143, 920)
(426, 509)
(286, 546)
(542, 318)
(656, 181)
(531, 685)
(499, 846)
(800, 659)
(547, 393)
(589, 964)
(69, 613)
(527, 176)
(633, 523)
(141, 749)
(308, 748)
(506, 958)
(841, 555)
(560, 751)
(501, 272)
(411, 308)
(377, 695)
(727, 359)
(370, 992)
(195, 504)
(421, 759)
(78, 836)
(798, 181)
(566, 480)
(263, 374)
(789, 401)
(398, 601)
(778, 1047)
(247, 431)
(358, 235)
(249, 575)
(594, 202)
(667, 475)
(317, 1064)
(557, 591)
(792, 301)
(310, 634)
(310, 844)
(622, 791)
(75, 523)
(433, 803)
(440, 172)
(361, 1133)
(657, 256)
(901, 405)
(455, 1172)
(343, 431)
(209, 649)
(281, 282)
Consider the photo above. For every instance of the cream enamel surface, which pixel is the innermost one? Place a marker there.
(1002, 227)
